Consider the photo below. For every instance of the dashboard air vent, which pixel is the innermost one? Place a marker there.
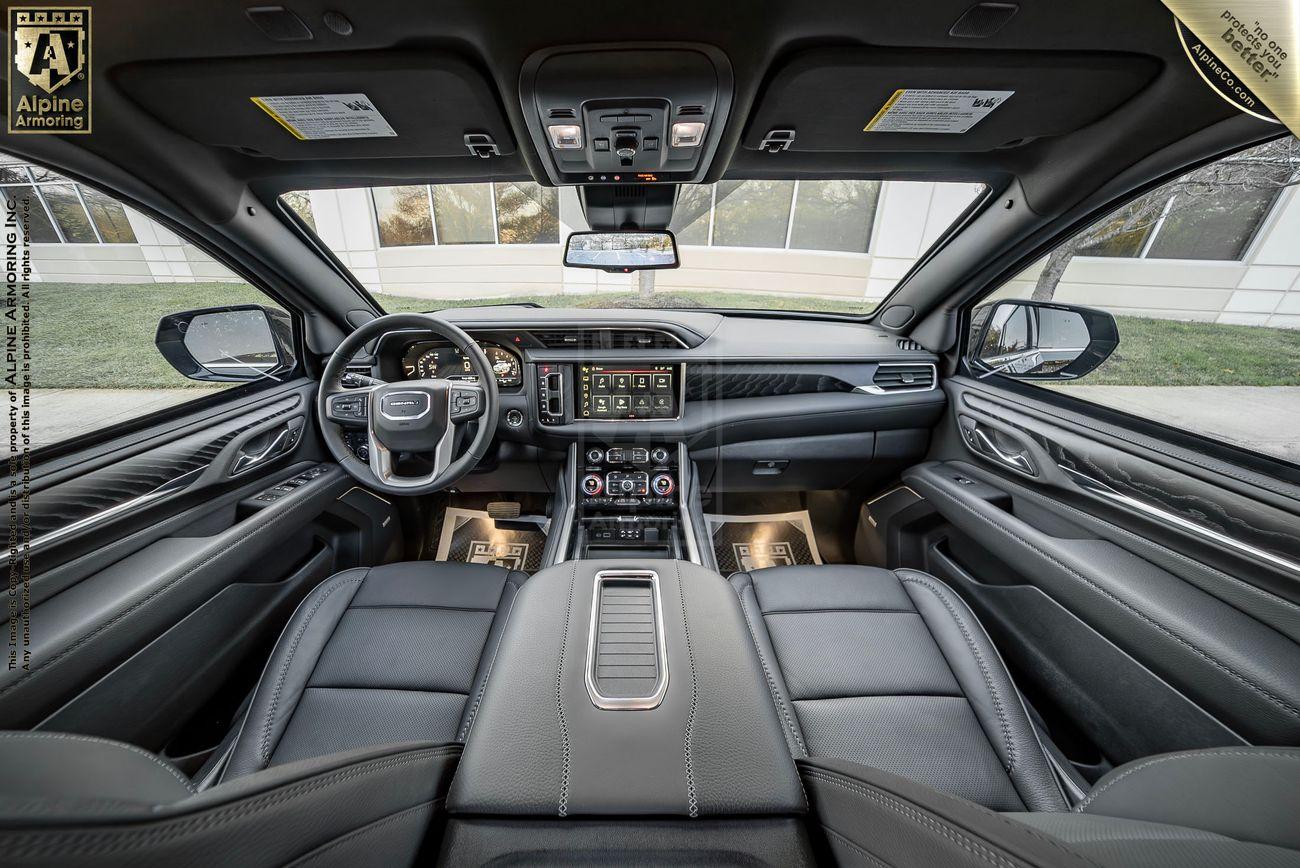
(899, 378)
(638, 339)
(572, 340)
(909, 345)
(608, 339)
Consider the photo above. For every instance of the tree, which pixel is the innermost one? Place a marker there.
(1255, 175)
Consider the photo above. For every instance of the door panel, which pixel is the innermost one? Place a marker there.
(157, 571)
(1148, 590)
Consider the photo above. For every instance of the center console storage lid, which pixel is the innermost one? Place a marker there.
(563, 730)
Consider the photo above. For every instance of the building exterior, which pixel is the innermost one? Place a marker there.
(839, 240)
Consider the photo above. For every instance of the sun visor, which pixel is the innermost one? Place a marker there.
(861, 99)
(326, 106)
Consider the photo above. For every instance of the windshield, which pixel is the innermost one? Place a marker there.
(820, 246)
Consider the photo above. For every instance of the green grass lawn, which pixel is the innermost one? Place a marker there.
(1159, 352)
(101, 335)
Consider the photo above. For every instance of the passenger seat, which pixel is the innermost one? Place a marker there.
(891, 670)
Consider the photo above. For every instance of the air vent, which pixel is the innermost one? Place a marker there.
(902, 378)
(909, 345)
(688, 111)
(574, 340)
(638, 339)
(561, 113)
(608, 339)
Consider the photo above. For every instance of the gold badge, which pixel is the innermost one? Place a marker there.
(51, 55)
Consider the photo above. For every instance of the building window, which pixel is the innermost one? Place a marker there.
(464, 213)
(403, 215)
(64, 211)
(1220, 226)
(527, 213)
(834, 215)
(300, 202)
(752, 213)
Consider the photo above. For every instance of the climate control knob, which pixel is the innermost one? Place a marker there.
(663, 485)
(594, 456)
(659, 455)
(627, 486)
(592, 485)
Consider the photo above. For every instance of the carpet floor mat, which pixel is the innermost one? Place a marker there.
(471, 536)
(751, 542)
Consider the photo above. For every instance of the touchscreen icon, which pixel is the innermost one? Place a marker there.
(640, 382)
(663, 382)
(600, 404)
(622, 403)
(622, 382)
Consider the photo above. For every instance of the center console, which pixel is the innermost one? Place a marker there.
(629, 501)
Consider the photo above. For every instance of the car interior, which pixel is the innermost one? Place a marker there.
(564, 582)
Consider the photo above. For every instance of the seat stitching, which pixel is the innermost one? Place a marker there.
(1173, 756)
(478, 699)
(860, 850)
(967, 843)
(1019, 828)
(1003, 723)
(559, 701)
(263, 748)
(771, 684)
(186, 782)
(112, 622)
(692, 801)
(308, 858)
(1279, 702)
(235, 811)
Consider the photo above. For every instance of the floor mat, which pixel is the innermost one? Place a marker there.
(751, 542)
(471, 536)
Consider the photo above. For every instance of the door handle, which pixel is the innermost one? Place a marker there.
(979, 438)
(268, 446)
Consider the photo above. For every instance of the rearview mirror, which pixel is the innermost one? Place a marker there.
(233, 344)
(1035, 340)
(621, 252)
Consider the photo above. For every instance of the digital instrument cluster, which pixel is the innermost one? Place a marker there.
(628, 392)
(424, 361)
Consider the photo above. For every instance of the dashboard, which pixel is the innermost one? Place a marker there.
(425, 360)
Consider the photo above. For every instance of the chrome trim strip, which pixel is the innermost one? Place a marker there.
(635, 703)
(566, 530)
(873, 389)
(684, 503)
(1101, 489)
(168, 488)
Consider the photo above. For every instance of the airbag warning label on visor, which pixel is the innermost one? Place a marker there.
(935, 111)
(326, 115)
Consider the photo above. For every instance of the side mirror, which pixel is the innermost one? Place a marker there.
(621, 252)
(236, 344)
(1037, 340)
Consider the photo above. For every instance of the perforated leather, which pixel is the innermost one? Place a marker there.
(377, 656)
(893, 671)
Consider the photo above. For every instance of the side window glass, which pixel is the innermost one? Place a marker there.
(103, 276)
(1202, 276)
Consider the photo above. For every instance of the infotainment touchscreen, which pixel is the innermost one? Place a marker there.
(613, 392)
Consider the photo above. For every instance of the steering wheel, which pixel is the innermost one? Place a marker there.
(421, 417)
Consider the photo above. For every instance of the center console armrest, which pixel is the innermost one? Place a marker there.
(681, 725)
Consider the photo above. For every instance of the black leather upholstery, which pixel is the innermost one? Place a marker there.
(1246, 793)
(71, 800)
(377, 656)
(892, 670)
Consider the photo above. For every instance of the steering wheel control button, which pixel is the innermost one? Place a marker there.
(347, 407)
(592, 484)
(466, 403)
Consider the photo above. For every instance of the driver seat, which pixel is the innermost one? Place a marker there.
(375, 656)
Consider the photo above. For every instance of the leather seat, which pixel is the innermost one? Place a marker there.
(398, 653)
(892, 670)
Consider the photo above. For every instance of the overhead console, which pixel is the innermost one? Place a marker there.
(626, 113)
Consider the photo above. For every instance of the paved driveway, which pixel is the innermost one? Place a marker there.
(59, 414)
(1263, 418)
